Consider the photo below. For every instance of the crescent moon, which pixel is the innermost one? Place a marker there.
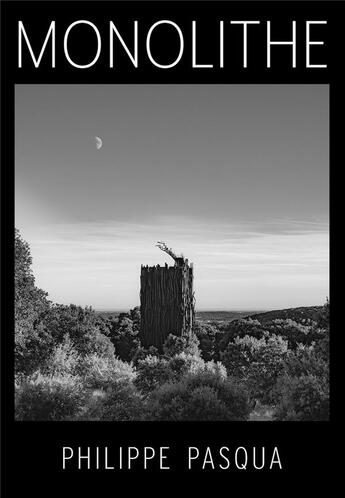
(99, 142)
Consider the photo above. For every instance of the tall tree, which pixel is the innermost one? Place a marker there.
(31, 304)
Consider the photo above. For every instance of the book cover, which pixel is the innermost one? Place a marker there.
(168, 181)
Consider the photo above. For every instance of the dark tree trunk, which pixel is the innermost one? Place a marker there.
(167, 302)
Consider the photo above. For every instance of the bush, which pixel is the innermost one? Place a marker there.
(32, 350)
(203, 404)
(206, 335)
(63, 360)
(302, 398)
(216, 368)
(121, 402)
(87, 331)
(239, 328)
(124, 334)
(202, 396)
(174, 345)
(258, 362)
(293, 332)
(141, 353)
(303, 331)
(182, 364)
(302, 390)
(98, 372)
(43, 397)
(152, 372)
(306, 360)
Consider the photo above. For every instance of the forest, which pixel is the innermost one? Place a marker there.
(72, 363)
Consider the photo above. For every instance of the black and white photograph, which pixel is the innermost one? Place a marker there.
(172, 252)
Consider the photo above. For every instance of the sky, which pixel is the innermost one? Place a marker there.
(235, 177)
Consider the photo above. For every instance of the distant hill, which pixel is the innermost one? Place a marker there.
(204, 316)
(297, 314)
(222, 316)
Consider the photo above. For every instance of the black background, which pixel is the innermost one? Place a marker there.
(31, 457)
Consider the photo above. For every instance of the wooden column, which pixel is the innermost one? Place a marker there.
(166, 302)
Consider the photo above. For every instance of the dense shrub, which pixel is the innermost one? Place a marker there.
(202, 396)
(87, 330)
(290, 330)
(121, 401)
(302, 398)
(43, 397)
(305, 360)
(63, 360)
(294, 333)
(32, 350)
(141, 353)
(206, 335)
(183, 363)
(258, 362)
(302, 389)
(239, 328)
(99, 372)
(152, 372)
(181, 344)
(135, 317)
(124, 334)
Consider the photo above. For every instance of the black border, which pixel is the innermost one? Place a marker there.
(31, 450)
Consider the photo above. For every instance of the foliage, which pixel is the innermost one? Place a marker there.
(152, 372)
(124, 334)
(41, 327)
(32, 350)
(141, 353)
(100, 372)
(30, 301)
(302, 398)
(184, 363)
(135, 317)
(258, 362)
(293, 332)
(239, 328)
(178, 344)
(201, 396)
(302, 389)
(305, 360)
(43, 397)
(63, 360)
(87, 331)
(323, 316)
(121, 402)
(206, 335)
(322, 327)
(32, 341)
